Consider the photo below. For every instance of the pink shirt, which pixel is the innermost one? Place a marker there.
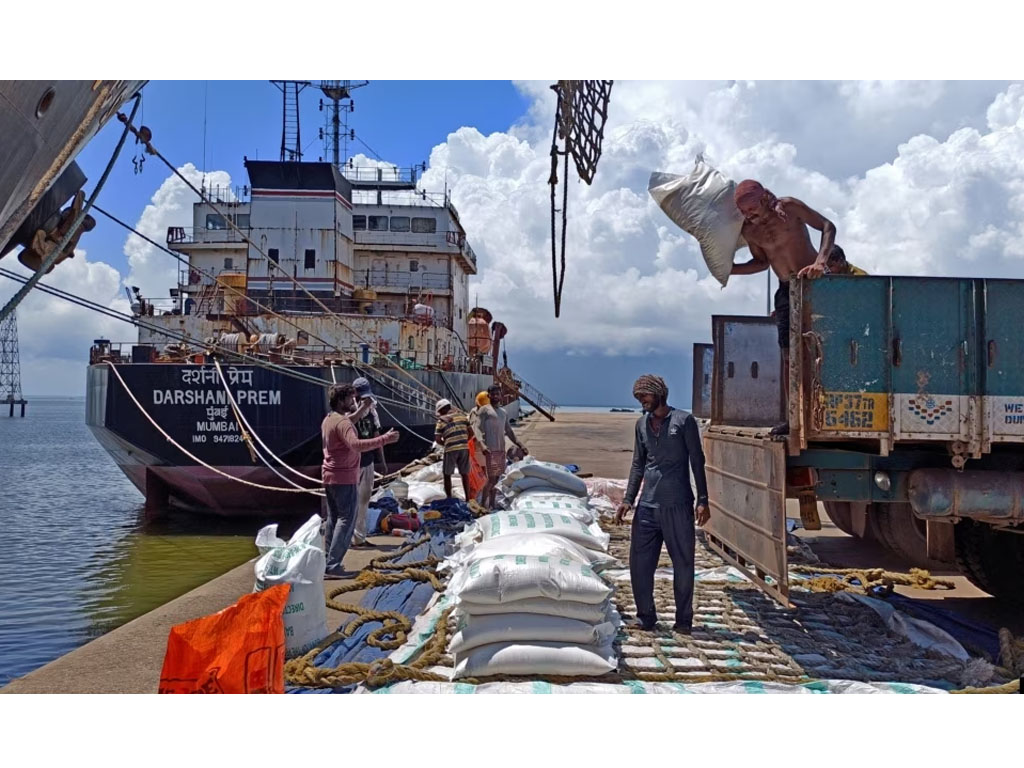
(342, 448)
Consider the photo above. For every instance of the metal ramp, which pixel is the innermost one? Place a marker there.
(525, 391)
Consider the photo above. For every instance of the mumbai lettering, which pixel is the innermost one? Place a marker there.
(215, 397)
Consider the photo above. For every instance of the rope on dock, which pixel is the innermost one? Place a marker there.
(868, 579)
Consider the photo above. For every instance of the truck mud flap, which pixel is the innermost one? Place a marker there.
(746, 474)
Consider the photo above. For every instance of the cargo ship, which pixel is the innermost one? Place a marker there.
(312, 273)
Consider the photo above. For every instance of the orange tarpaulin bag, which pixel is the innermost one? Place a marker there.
(477, 473)
(237, 650)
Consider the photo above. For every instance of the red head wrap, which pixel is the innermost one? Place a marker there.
(750, 192)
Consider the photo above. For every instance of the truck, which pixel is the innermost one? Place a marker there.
(905, 405)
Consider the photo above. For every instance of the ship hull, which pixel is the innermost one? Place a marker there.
(195, 455)
(44, 125)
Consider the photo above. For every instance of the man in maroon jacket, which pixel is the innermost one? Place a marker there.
(342, 449)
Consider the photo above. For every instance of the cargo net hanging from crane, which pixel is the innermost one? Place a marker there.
(580, 117)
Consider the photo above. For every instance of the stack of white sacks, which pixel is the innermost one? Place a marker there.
(530, 598)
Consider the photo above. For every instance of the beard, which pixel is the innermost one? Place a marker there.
(658, 402)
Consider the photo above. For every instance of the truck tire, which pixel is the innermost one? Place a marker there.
(878, 524)
(991, 559)
(969, 557)
(903, 533)
(840, 514)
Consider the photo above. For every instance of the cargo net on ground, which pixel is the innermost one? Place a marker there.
(535, 597)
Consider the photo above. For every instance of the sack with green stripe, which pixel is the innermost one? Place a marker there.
(506, 578)
(500, 524)
(533, 544)
(546, 501)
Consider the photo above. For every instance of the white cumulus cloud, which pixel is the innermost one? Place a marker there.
(923, 178)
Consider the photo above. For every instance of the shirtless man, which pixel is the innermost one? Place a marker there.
(776, 232)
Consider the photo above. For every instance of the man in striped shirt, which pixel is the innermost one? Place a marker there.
(452, 432)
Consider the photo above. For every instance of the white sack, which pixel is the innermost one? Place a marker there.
(474, 631)
(428, 474)
(613, 490)
(499, 524)
(300, 562)
(422, 493)
(504, 578)
(594, 613)
(555, 475)
(535, 544)
(535, 659)
(545, 501)
(701, 202)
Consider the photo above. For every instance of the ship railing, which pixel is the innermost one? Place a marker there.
(223, 194)
(259, 301)
(387, 278)
(405, 197)
(526, 391)
(390, 174)
(194, 235)
(433, 240)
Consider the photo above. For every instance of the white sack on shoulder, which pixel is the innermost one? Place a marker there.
(701, 202)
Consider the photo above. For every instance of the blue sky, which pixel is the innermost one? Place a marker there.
(401, 120)
(920, 177)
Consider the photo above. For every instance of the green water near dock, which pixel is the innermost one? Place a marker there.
(79, 557)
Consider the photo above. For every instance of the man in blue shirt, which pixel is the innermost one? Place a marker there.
(667, 447)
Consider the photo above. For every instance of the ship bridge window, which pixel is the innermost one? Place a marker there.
(378, 223)
(310, 258)
(229, 263)
(414, 265)
(215, 221)
(274, 255)
(424, 225)
(358, 222)
(242, 220)
(400, 224)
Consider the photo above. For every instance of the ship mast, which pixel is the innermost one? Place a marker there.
(337, 134)
(291, 139)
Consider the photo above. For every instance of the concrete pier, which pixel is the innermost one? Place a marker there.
(128, 659)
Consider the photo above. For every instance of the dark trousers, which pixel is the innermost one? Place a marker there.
(653, 526)
(341, 520)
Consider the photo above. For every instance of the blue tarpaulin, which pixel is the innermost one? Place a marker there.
(410, 598)
(975, 636)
